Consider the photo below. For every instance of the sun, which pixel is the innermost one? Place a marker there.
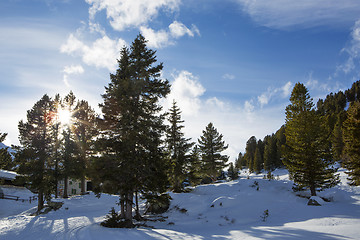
(64, 116)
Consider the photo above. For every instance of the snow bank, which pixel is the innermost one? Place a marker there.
(8, 175)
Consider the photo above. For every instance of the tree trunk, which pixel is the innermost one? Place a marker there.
(40, 200)
(66, 182)
(137, 212)
(128, 210)
(122, 205)
(83, 187)
(313, 190)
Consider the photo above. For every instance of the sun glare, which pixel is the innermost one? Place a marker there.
(64, 116)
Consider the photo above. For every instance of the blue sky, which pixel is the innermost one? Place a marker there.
(231, 62)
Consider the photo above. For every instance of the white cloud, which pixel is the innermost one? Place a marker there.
(102, 53)
(73, 69)
(228, 76)
(186, 91)
(265, 97)
(286, 89)
(130, 13)
(283, 14)
(155, 39)
(352, 50)
(236, 121)
(178, 29)
(163, 38)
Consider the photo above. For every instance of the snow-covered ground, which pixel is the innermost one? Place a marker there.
(231, 210)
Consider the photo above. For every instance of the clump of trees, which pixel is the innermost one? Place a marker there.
(51, 150)
(129, 150)
(333, 129)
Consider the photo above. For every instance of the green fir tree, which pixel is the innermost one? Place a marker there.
(178, 148)
(351, 134)
(211, 145)
(307, 153)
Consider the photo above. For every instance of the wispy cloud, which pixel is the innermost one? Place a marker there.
(166, 37)
(284, 14)
(228, 76)
(281, 92)
(73, 69)
(352, 50)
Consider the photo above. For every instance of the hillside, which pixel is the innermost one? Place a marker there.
(231, 210)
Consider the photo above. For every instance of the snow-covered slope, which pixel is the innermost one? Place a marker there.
(233, 210)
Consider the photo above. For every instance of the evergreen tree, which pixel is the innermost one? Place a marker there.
(240, 161)
(69, 152)
(257, 161)
(132, 158)
(233, 172)
(55, 135)
(34, 154)
(195, 174)
(351, 134)
(271, 160)
(6, 161)
(307, 154)
(178, 148)
(211, 145)
(85, 131)
(250, 153)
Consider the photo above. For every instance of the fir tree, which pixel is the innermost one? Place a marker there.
(195, 174)
(132, 158)
(6, 161)
(271, 160)
(351, 134)
(85, 131)
(211, 145)
(250, 153)
(308, 157)
(69, 151)
(257, 161)
(233, 172)
(34, 154)
(178, 148)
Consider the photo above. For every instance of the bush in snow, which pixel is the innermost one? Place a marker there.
(265, 215)
(158, 204)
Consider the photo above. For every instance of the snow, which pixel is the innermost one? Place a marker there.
(7, 174)
(230, 210)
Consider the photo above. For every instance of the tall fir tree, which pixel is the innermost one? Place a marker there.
(6, 161)
(132, 158)
(34, 154)
(85, 132)
(257, 161)
(250, 150)
(69, 150)
(211, 145)
(351, 134)
(178, 147)
(307, 153)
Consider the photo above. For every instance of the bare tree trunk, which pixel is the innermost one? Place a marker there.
(128, 210)
(66, 182)
(122, 205)
(313, 190)
(40, 200)
(137, 212)
(83, 187)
